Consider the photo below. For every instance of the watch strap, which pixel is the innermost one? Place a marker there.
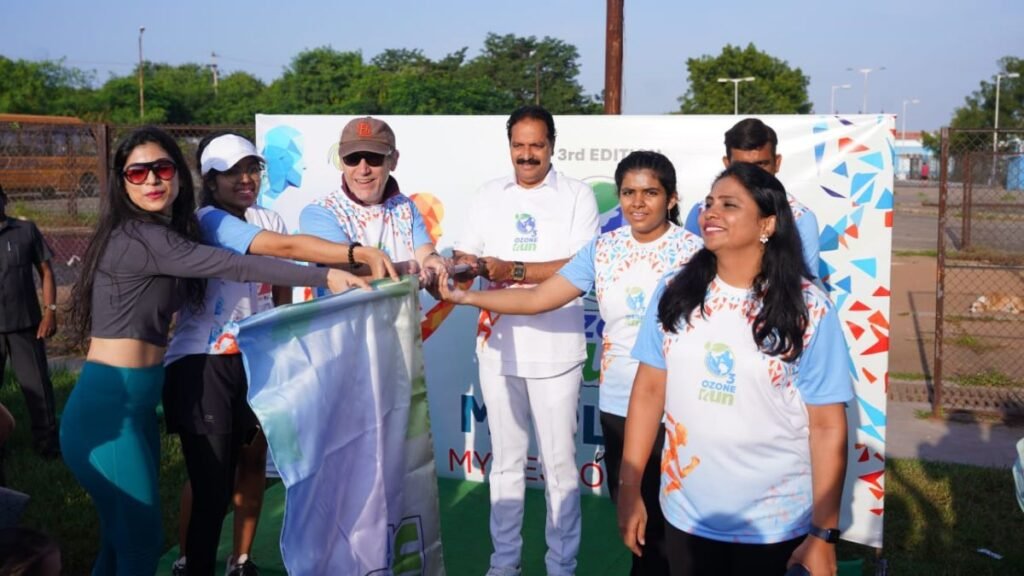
(830, 535)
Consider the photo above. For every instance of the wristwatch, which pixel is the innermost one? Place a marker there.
(51, 307)
(518, 271)
(830, 535)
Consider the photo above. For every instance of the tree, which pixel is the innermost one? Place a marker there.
(978, 111)
(44, 87)
(777, 88)
(322, 81)
(527, 70)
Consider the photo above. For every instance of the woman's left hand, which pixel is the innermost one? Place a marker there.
(818, 556)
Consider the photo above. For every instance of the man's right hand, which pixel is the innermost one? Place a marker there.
(379, 262)
(469, 260)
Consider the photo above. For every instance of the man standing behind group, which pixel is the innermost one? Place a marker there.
(368, 209)
(751, 140)
(522, 229)
(23, 327)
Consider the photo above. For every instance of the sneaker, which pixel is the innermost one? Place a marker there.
(179, 568)
(246, 568)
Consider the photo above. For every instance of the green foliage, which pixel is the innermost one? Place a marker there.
(979, 107)
(527, 70)
(778, 89)
(508, 73)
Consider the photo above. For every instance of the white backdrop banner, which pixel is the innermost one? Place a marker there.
(840, 167)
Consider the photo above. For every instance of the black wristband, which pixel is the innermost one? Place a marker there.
(351, 256)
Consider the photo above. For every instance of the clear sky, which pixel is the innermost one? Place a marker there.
(937, 51)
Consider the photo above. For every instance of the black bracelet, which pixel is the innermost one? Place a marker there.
(351, 256)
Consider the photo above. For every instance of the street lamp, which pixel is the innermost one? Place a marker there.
(834, 88)
(865, 72)
(736, 91)
(142, 91)
(999, 77)
(903, 118)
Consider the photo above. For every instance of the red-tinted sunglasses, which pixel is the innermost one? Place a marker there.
(372, 159)
(138, 173)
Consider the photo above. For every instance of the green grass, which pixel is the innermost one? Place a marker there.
(909, 253)
(58, 505)
(937, 515)
(973, 343)
(907, 376)
(54, 218)
(988, 379)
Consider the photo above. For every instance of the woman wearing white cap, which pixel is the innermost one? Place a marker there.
(206, 387)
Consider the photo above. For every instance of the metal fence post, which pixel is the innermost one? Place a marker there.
(940, 273)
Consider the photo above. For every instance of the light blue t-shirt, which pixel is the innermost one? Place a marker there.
(623, 274)
(736, 461)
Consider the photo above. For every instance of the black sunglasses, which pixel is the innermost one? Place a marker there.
(138, 173)
(372, 159)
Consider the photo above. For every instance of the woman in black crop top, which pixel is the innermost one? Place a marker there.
(143, 263)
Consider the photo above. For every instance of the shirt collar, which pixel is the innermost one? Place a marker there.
(550, 180)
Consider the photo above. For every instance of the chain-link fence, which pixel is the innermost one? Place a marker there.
(55, 170)
(980, 295)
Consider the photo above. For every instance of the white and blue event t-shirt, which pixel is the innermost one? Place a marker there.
(213, 331)
(624, 274)
(806, 227)
(548, 222)
(736, 463)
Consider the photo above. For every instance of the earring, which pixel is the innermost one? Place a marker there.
(763, 238)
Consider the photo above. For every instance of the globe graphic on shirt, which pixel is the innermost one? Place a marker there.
(718, 359)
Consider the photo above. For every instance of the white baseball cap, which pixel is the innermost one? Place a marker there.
(223, 152)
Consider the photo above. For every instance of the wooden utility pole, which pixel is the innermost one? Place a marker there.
(613, 59)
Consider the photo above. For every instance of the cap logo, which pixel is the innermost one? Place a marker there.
(363, 129)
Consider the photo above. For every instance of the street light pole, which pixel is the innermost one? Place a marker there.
(865, 72)
(995, 128)
(834, 88)
(142, 90)
(736, 91)
(903, 119)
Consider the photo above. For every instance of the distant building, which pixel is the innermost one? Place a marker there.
(913, 160)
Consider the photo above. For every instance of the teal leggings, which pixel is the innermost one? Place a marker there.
(110, 440)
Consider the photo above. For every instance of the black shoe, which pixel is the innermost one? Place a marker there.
(245, 569)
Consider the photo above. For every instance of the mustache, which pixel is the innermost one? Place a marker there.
(530, 161)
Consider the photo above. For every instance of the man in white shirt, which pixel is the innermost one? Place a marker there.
(523, 228)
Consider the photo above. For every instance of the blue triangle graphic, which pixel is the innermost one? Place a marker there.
(840, 300)
(868, 265)
(820, 127)
(860, 180)
(885, 201)
(870, 431)
(846, 284)
(866, 195)
(873, 159)
(828, 240)
(819, 153)
(841, 170)
(857, 215)
(875, 415)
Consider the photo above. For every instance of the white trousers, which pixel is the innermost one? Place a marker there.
(552, 402)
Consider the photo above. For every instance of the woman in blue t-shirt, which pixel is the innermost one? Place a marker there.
(743, 359)
(206, 387)
(622, 267)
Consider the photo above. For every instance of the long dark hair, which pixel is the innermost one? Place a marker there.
(778, 328)
(663, 170)
(116, 210)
